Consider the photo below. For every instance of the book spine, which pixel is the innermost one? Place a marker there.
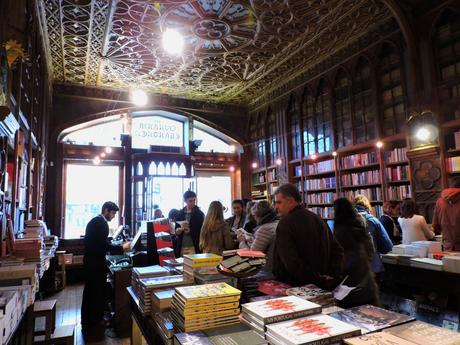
(201, 264)
(291, 316)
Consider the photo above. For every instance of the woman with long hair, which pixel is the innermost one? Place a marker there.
(413, 226)
(351, 233)
(389, 220)
(215, 234)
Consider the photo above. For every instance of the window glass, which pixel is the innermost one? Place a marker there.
(210, 143)
(104, 134)
(87, 188)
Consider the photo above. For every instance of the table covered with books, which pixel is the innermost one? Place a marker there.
(169, 306)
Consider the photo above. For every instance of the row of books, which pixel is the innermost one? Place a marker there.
(399, 192)
(398, 173)
(320, 167)
(364, 177)
(272, 175)
(323, 212)
(453, 164)
(322, 183)
(396, 155)
(373, 194)
(359, 159)
(258, 178)
(321, 198)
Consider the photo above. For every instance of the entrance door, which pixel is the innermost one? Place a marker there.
(210, 186)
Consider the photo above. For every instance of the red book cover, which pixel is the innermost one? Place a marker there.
(250, 253)
(273, 287)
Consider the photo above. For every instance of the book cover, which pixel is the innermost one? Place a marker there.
(316, 329)
(273, 287)
(194, 338)
(312, 293)
(250, 253)
(370, 318)
(158, 282)
(191, 310)
(278, 309)
(150, 271)
(422, 333)
(200, 292)
(379, 338)
(162, 299)
(238, 334)
(202, 258)
(264, 298)
(205, 302)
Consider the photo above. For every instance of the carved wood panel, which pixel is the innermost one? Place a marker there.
(234, 51)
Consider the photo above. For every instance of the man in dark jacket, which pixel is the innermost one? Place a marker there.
(187, 237)
(305, 252)
(95, 269)
(446, 217)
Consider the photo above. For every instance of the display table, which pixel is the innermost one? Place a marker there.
(143, 326)
(402, 278)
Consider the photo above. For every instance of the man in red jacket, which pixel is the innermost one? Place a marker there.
(446, 218)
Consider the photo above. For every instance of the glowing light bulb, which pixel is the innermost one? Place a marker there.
(108, 149)
(422, 133)
(232, 168)
(173, 42)
(313, 156)
(334, 154)
(279, 161)
(103, 154)
(96, 160)
(254, 165)
(379, 144)
(139, 97)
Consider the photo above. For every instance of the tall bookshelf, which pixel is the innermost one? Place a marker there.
(264, 182)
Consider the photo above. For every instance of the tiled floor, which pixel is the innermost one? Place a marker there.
(68, 313)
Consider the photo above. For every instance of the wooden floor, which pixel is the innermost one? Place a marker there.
(68, 313)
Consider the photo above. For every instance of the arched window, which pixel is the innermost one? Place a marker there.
(363, 115)
(323, 118)
(272, 133)
(343, 124)
(308, 109)
(98, 134)
(392, 95)
(210, 142)
(447, 53)
(294, 119)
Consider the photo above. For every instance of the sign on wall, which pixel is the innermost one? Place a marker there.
(156, 130)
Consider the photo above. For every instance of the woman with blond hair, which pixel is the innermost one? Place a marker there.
(215, 236)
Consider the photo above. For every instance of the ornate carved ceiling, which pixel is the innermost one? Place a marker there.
(235, 50)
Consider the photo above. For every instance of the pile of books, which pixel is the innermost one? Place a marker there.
(51, 243)
(149, 285)
(316, 329)
(313, 294)
(370, 318)
(451, 263)
(245, 261)
(206, 275)
(196, 261)
(33, 251)
(139, 273)
(427, 263)
(34, 228)
(161, 300)
(233, 334)
(273, 287)
(419, 332)
(258, 315)
(163, 322)
(201, 307)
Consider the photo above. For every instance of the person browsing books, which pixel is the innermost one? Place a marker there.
(414, 227)
(264, 238)
(446, 217)
(237, 220)
(215, 234)
(189, 221)
(95, 270)
(305, 251)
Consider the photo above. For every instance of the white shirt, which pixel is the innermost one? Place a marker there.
(415, 229)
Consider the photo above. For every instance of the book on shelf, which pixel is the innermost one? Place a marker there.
(372, 193)
(279, 309)
(298, 170)
(453, 164)
(321, 183)
(457, 140)
(399, 192)
(320, 167)
(398, 173)
(358, 160)
(359, 178)
(321, 198)
(316, 329)
(423, 333)
(379, 338)
(396, 155)
(325, 212)
(370, 318)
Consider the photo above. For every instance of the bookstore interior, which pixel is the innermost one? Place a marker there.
(222, 172)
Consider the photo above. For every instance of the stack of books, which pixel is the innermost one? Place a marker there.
(205, 306)
(245, 261)
(206, 275)
(161, 300)
(233, 334)
(451, 263)
(164, 324)
(316, 329)
(273, 287)
(313, 294)
(195, 261)
(33, 251)
(258, 315)
(422, 333)
(34, 228)
(51, 244)
(370, 318)
(378, 338)
(139, 273)
(149, 285)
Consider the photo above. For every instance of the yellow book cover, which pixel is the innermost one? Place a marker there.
(201, 258)
(199, 310)
(210, 314)
(200, 292)
(205, 302)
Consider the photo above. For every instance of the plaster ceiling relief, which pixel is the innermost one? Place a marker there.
(234, 50)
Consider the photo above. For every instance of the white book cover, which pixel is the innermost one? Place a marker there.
(283, 308)
(311, 329)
